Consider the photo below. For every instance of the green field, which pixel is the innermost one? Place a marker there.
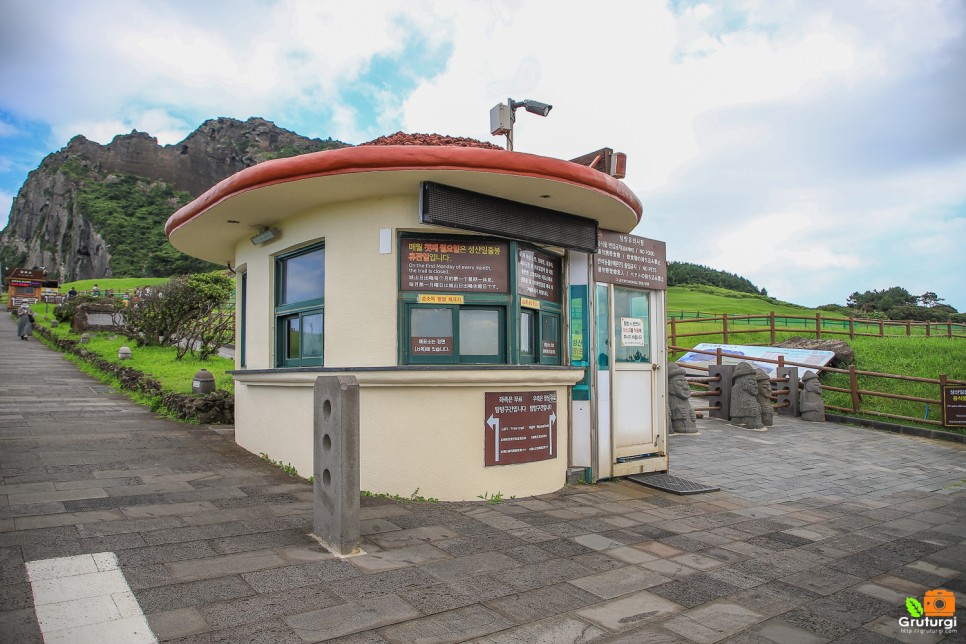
(895, 354)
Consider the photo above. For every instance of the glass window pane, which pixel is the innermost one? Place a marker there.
(633, 340)
(603, 344)
(312, 335)
(431, 331)
(526, 333)
(550, 338)
(292, 345)
(303, 277)
(479, 332)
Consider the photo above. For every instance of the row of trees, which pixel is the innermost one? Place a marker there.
(681, 273)
(897, 303)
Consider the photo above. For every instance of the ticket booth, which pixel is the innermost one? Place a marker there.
(502, 323)
(617, 323)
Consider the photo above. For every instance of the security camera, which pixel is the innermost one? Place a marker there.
(536, 107)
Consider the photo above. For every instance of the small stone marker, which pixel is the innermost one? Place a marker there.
(203, 382)
(124, 353)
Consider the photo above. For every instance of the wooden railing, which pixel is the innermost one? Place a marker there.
(817, 326)
(856, 393)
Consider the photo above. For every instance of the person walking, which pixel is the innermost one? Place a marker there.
(25, 321)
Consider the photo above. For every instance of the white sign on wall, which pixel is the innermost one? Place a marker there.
(632, 332)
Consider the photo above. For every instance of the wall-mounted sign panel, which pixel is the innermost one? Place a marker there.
(435, 346)
(470, 266)
(630, 260)
(433, 298)
(457, 208)
(538, 275)
(954, 406)
(520, 427)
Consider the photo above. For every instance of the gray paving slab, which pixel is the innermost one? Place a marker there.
(819, 532)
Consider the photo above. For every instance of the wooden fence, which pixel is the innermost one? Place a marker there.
(817, 326)
(856, 393)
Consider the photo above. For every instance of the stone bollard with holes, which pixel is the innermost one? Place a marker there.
(336, 469)
(787, 393)
(721, 390)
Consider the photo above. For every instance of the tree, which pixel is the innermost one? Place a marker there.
(930, 299)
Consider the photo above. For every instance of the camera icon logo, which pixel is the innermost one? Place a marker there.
(939, 603)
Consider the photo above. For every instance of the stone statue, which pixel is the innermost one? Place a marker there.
(764, 397)
(745, 410)
(679, 407)
(810, 403)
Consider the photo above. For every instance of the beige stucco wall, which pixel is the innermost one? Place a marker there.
(419, 429)
(360, 283)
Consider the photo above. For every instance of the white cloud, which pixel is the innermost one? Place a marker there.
(830, 134)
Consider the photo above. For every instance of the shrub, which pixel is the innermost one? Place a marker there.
(183, 312)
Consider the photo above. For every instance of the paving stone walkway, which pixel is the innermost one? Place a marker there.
(819, 534)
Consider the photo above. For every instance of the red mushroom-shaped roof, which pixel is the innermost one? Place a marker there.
(260, 196)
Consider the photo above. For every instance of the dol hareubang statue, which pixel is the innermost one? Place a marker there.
(810, 404)
(679, 392)
(745, 410)
(764, 397)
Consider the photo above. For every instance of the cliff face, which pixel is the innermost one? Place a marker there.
(69, 218)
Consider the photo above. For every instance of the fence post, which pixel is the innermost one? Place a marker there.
(724, 327)
(928, 326)
(818, 326)
(718, 356)
(881, 329)
(771, 325)
(674, 333)
(854, 389)
(949, 329)
(851, 328)
(908, 327)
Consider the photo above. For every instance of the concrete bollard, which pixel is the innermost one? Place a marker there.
(721, 391)
(336, 468)
(788, 391)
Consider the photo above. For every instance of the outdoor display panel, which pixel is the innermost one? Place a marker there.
(520, 427)
(630, 260)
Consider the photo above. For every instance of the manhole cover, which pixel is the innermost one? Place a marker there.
(673, 484)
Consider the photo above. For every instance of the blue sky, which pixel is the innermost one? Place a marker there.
(816, 147)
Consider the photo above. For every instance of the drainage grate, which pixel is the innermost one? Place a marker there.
(673, 484)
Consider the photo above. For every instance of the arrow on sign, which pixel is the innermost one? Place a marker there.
(553, 418)
(494, 422)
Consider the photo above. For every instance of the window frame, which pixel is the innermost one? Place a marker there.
(283, 313)
(510, 304)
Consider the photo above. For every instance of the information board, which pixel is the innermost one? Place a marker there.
(811, 357)
(954, 405)
(538, 275)
(470, 266)
(630, 260)
(520, 427)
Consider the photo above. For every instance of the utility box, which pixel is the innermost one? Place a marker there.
(501, 119)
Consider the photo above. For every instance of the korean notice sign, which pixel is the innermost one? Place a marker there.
(520, 427)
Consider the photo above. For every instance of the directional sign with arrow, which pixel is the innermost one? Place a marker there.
(520, 427)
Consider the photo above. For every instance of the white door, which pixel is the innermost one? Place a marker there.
(632, 392)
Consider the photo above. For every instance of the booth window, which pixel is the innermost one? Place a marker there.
(456, 334)
(243, 326)
(477, 300)
(300, 307)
